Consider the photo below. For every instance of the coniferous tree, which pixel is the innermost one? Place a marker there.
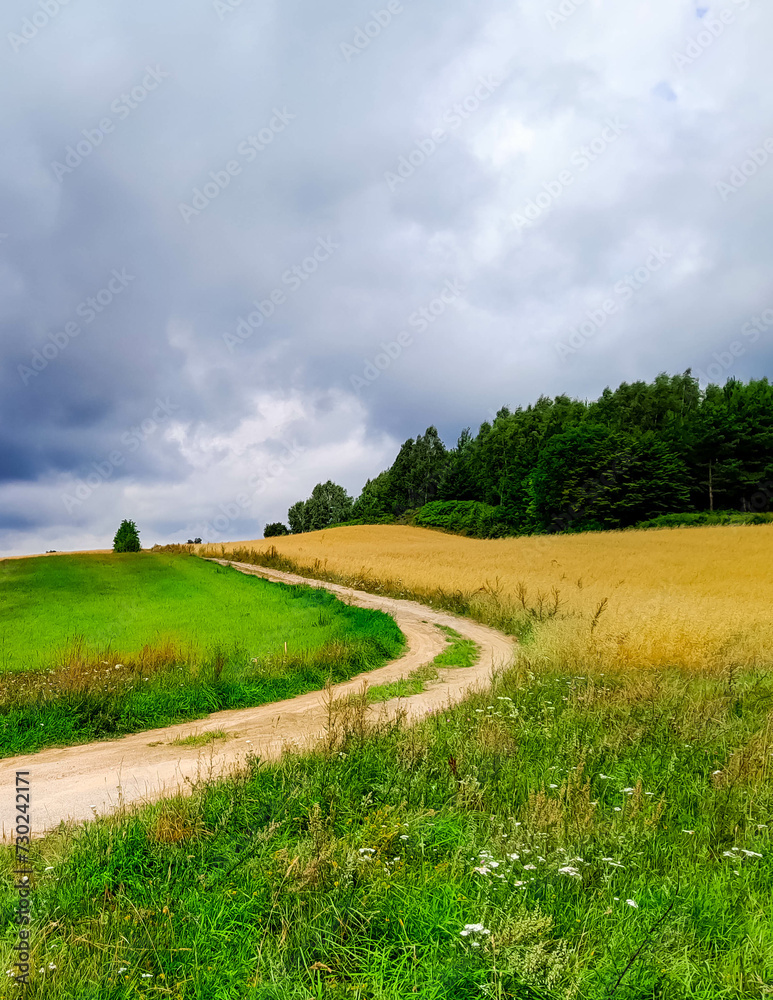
(127, 538)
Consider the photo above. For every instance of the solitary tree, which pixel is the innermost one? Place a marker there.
(127, 538)
(274, 529)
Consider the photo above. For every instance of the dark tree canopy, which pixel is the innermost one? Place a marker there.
(640, 451)
(328, 504)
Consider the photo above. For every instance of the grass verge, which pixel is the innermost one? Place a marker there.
(460, 652)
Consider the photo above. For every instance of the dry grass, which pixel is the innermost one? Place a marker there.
(80, 669)
(199, 739)
(174, 823)
(695, 598)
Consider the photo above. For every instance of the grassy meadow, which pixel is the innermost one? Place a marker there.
(93, 646)
(692, 598)
(595, 826)
(561, 836)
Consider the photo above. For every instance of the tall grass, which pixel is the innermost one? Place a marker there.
(692, 598)
(90, 698)
(559, 837)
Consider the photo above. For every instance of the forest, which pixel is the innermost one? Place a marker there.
(637, 453)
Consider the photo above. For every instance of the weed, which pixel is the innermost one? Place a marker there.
(199, 739)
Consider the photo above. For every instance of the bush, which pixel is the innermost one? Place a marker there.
(275, 528)
(127, 538)
(687, 520)
(464, 517)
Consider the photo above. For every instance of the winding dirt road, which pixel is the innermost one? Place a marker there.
(77, 783)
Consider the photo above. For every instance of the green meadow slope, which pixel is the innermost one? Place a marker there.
(105, 644)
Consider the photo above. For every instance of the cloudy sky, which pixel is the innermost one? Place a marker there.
(247, 246)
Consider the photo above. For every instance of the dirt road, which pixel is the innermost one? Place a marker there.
(77, 783)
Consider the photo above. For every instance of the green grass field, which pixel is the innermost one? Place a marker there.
(101, 645)
(127, 601)
(562, 837)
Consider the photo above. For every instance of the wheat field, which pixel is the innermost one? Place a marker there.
(697, 598)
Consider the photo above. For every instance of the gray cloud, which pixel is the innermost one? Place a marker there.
(157, 102)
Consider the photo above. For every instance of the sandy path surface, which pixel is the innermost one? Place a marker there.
(77, 783)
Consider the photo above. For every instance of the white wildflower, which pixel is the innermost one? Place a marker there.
(474, 929)
(632, 903)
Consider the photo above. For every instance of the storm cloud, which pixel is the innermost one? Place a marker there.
(248, 246)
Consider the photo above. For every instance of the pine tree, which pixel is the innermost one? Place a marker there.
(127, 538)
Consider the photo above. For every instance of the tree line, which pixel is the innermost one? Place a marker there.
(562, 464)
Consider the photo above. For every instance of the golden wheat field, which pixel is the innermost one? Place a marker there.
(686, 597)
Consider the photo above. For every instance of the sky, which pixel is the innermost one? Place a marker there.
(247, 246)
